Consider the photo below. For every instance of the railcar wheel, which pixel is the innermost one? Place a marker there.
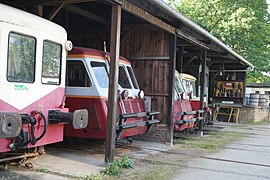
(129, 141)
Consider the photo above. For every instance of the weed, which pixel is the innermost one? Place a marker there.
(93, 177)
(126, 162)
(113, 169)
(42, 170)
(116, 167)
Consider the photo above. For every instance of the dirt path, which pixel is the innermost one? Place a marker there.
(155, 161)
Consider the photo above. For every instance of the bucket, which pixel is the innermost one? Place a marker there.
(254, 99)
(263, 100)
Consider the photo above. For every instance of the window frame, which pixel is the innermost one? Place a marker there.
(86, 71)
(60, 65)
(34, 60)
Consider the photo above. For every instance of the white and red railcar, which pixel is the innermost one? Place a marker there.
(87, 88)
(186, 112)
(32, 81)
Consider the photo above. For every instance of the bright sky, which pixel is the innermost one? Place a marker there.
(268, 2)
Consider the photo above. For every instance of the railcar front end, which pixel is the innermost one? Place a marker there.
(87, 87)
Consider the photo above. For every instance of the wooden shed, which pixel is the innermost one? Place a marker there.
(156, 39)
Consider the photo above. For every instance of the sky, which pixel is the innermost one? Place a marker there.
(268, 2)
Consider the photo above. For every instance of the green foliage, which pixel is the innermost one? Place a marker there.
(116, 167)
(126, 162)
(243, 25)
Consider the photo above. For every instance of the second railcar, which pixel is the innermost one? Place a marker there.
(87, 87)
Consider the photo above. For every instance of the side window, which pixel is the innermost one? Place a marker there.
(51, 63)
(123, 78)
(100, 73)
(21, 58)
(133, 77)
(77, 75)
(178, 85)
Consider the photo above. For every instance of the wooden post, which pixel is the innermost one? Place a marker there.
(244, 87)
(172, 64)
(202, 84)
(39, 10)
(181, 58)
(113, 83)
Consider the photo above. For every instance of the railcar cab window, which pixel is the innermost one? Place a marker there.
(51, 63)
(178, 88)
(21, 58)
(133, 78)
(100, 73)
(123, 78)
(77, 75)
(189, 86)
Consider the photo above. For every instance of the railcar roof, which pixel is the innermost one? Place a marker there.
(89, 52)
(24, 19)
(187, 76)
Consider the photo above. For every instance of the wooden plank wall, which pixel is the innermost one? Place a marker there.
(90, 39)
(152, 75)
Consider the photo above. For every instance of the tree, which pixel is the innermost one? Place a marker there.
(244, 25)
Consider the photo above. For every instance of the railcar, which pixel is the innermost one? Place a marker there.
(189, 83)
(87, 87)
(32, 82)
(185, 115)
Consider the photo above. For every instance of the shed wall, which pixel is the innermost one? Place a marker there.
(152, 75)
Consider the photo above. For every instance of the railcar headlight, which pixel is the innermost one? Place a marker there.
(124, 94)
(141, 94)
(68, 45)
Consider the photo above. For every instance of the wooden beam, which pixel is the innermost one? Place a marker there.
(172, 65)
(216, 54)
(138, 27)
(180, 58)
(145, 58)
(55, 10)
(53, 2)
(202, 88)
(191, 54)
(147, 17)
(185, 45)
(217, 61)
(191, 39)
(85, 13)
(39, 10)
(189, 61)
(120, 2)
(113, 84)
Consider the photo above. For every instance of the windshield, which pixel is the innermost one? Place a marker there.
(101, 73)
(178, 87)
(123, 78)
(133, 78)
(189, 86)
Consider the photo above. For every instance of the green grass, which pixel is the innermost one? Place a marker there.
(265, 122)
(97, 176)
(158, 171)
(212, 142)
(43, 170)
